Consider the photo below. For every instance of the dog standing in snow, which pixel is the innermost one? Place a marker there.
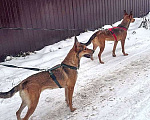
(114, 34)
(63, 75)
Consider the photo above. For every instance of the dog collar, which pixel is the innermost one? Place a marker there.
(71, 67)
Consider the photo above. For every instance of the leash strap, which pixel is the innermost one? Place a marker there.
(54, 78)
(112, 32)
(13, 66)
(49, 70)
(56, 67)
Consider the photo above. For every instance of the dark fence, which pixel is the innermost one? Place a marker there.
(56, 14)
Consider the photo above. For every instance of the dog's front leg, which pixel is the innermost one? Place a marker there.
(66, 96)
(70, 94)
(122, 44)
(114, 48)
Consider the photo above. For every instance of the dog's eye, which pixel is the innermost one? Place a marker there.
(84, 48)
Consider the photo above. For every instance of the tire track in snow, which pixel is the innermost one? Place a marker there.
(110, 83)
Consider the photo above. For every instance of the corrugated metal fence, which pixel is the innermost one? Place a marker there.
(57, 14)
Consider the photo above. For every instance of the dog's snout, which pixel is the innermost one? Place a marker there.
(133, 20)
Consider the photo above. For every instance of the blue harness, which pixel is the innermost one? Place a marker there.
(56, 67)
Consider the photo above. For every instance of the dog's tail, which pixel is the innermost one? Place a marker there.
(10, 93)
(91, 38)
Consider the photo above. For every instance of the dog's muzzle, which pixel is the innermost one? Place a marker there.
(87, 55)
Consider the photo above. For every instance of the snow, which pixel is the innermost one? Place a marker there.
(116, 90)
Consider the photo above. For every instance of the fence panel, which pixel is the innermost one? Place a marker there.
(57, 14)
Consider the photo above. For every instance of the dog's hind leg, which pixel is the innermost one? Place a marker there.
(32, 98)
(30, 111)
(102, 46)
(114, 48)
(18, 113)
(94, 48)
(23, 104)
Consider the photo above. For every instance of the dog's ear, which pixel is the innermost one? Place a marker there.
(75, 40)
(125, 12)
(130, 12)
(76, 43)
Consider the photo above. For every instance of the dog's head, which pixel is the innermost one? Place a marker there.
(128, 17)
(82, 50)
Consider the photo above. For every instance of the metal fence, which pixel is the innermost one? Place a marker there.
(27, 16)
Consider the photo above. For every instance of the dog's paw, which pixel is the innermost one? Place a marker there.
(125, 54)
(101, 62)
(114, 55)
(73, 109)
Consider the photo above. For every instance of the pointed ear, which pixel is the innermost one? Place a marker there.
(130, 12)
(75, 40)
(76, 43)
(125, 13)
(131, 15)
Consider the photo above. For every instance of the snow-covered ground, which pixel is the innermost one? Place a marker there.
(116, 90)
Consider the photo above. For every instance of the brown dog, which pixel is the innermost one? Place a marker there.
(113, 34)
(65, 74)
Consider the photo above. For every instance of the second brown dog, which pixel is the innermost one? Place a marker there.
(114, 34)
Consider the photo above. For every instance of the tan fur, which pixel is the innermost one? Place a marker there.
(31, 87)
(99, 38)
